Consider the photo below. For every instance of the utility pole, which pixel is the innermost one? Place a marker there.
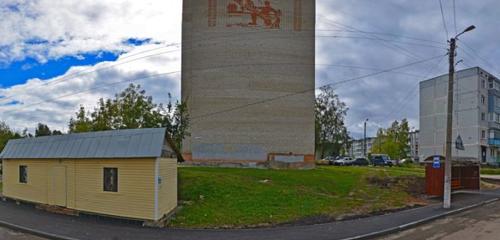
(364, 140)
(449, 125)
(449, 121)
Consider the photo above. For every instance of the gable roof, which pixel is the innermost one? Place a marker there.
(130, 143)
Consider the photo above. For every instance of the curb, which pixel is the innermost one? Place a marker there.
(419, 222)
(34, 232)
(359, 237)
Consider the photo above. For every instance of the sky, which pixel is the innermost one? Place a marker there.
(57, 55)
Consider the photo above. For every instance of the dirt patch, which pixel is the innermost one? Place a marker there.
(490, 184)
(413, 185)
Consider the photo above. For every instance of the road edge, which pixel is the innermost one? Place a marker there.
(372, 235)
(34, 232)
(419, 222)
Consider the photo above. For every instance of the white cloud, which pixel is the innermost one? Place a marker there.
(50, 29)
(74, 27)
(54, 101)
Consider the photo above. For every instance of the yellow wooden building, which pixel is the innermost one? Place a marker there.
(122, 173)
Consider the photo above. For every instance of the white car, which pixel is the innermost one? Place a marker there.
(343, 161)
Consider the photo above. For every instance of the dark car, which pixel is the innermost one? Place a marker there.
(381, 160)
(360, 162)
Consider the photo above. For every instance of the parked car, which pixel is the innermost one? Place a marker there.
(327, 160)
(406, 161)
(343, 161)
(360, 162)
(381, 160)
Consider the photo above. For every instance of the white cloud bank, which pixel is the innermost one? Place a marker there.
(50, 29)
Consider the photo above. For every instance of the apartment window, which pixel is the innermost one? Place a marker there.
(483, 134)
(111, 179)
(483, 116)
(483, 83)
(498, 117)
(23, 174)
(483, 99)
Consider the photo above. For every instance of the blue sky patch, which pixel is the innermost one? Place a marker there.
(19, 72)
(137, 41)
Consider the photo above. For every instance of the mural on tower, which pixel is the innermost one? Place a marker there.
(250, 13)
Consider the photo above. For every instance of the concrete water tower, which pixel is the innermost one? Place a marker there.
(248, 76)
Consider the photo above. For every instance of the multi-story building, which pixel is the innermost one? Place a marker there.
(357, 147)
(476, 116)
(413, 143)
(248, 78)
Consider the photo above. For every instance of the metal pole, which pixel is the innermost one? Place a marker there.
(449, 122)
(364, 142)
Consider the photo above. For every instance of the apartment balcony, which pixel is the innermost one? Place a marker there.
(494, 142)
(494, 160)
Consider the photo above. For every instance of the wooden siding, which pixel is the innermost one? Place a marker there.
(135, 196)
(84, 185)
(35, 190)
(167, 190)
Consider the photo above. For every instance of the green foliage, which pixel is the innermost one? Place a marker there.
(42, 130)
(393, 141)
(131, 109)
(6, 134)
(215, 197)
(331, 133)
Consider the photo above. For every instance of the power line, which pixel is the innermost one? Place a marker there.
(381, 39)
(444, 20)
(308, 90)
(200, 69)
(96, 88)
(86, 72)
(392, 46)
(383, 33)
(121, 62)
(455, 16)
(412, 92)
(474, 52)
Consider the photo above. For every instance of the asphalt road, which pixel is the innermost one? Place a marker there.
(6, 234)
(481, 223)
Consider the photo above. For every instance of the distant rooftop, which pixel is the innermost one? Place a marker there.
(130, 143)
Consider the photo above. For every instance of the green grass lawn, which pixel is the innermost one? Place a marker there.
(490, 171)
(225, 197)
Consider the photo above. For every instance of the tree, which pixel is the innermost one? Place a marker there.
(6, 134)
(81, 123)
(42, 130)
(393, 140)
(131, 109)
(330, 113)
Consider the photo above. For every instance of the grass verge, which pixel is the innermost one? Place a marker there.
(232, 198)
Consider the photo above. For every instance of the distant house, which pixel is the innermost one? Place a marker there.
(123, 173)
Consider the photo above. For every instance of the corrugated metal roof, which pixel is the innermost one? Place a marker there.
(129, 143)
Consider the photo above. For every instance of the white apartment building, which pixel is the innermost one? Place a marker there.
(357, 147)
(413, 142)
(476, 115)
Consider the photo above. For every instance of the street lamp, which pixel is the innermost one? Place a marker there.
(449, 122)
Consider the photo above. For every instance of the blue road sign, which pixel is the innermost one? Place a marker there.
(437, 162)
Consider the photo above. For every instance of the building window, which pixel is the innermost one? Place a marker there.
(483, 134)
(483, 83)
(483, 116)
(483, 99)
(23, 174)
(111, 179)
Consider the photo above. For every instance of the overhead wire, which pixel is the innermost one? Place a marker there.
(444, 19)
(308, 90)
